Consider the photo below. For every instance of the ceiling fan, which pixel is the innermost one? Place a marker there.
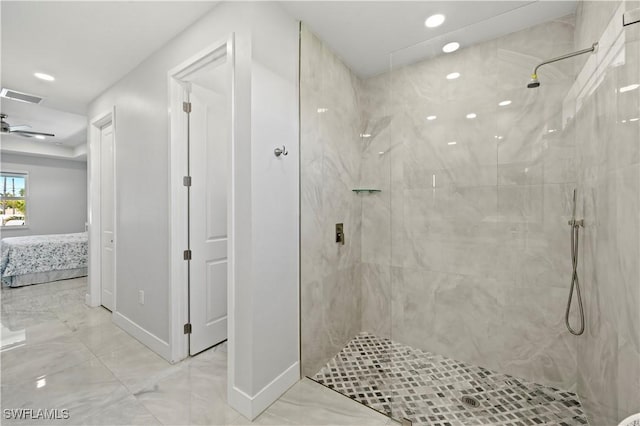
(20, 130)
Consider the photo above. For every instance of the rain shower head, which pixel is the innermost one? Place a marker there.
(534, 82)
(534, 77)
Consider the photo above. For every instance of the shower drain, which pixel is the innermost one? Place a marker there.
(470, 401)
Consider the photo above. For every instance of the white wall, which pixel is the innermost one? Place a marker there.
(275, 189)
(57, 194)
(263, 343)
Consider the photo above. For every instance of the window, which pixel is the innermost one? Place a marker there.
(13, 203)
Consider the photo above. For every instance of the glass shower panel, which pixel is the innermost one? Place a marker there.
(345, 275)
(607, 135)
(444, 214)
(379, 147)
(482, 177)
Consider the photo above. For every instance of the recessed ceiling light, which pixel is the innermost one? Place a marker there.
(365, 135)
(452, 143)
(39, 137)
(431, 117)
(321, 110)
(434, 21)
(450, 47)
(505, 103)
(471, 115)
(634, 119)
(453, 76)
(43, 76)
(629, 87)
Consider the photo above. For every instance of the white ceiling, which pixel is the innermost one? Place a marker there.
(88, 46)
(364, 33)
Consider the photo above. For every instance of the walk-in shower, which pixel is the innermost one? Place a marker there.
(447, 302)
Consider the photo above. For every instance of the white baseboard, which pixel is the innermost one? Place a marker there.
(87, 300)
(252, 406)
(150, 340)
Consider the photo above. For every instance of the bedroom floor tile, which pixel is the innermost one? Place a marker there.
(61, 354)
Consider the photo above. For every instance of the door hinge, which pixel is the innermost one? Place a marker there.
(187, 255)
(186, 181)
(187, 328)
(186, 107)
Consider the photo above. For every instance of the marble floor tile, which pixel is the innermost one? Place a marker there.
(12, 336)
(194, 394)
(266, 419)
(102, 339)
(83, 390)
(309, 403)
(81, 315)
(62, 354)
(16, 317)
(127, 412)
(136, 366)
(28, 361)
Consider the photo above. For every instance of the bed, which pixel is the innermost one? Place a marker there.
(43, 258)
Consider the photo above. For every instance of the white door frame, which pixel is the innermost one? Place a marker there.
(178, 299)
(94, 190)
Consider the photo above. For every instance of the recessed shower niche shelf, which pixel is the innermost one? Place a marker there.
(361, 190)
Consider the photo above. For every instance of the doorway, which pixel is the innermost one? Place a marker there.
(107, 254)
(201, 137)
(101, 173)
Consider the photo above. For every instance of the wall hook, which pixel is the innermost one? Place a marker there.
(281, 151)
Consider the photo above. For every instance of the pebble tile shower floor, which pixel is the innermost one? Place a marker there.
(428, 389)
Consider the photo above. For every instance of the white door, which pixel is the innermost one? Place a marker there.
(209, 144)
(107, 215)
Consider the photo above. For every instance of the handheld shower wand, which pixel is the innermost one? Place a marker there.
(534, 77)
(575, 283)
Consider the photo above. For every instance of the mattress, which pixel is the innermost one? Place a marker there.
(38, 255)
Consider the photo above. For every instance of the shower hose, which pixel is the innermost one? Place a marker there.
(575, 283)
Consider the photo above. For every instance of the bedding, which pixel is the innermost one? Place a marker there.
(35, 259)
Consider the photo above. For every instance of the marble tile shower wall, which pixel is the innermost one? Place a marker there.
(475, 265)
(330, 163)
(608, 144)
